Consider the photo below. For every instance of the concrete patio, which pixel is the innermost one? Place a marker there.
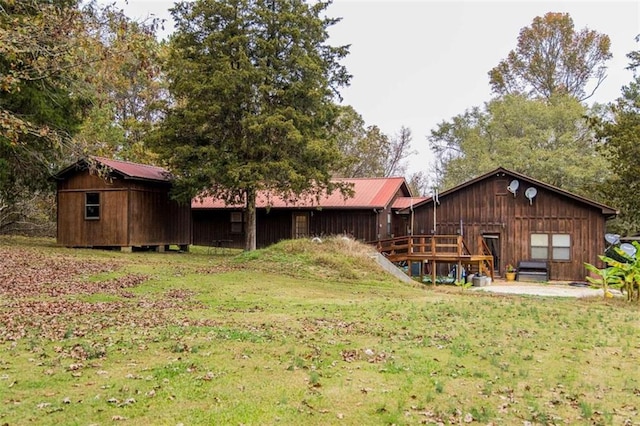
(554, 289)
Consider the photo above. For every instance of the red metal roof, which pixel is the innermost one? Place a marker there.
(406, 202)
(135, 170)
(367, 193)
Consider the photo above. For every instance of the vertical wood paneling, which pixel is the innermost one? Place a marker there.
(276, 225)
(485, 207)
(132, 213)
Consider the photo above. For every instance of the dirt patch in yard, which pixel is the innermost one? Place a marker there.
(552, 289)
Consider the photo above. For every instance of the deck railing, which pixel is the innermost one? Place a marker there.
(435, 249)
(423, 245)
(486, 251)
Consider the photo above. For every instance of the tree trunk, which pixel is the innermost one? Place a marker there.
(250, 241)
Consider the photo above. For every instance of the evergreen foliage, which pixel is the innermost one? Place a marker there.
(254, 84)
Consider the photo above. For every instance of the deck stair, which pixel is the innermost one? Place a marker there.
(437, 249)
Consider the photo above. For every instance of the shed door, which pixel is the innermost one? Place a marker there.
(493, 242)
(300, 225)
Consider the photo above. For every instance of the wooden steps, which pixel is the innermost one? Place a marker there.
(435, 249)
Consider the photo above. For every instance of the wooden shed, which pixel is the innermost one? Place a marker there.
(520, 219)
(112, 203)
(367, 216)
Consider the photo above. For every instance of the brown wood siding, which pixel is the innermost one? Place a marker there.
(277, 225)
(110, 230)
(155, 219)
(486, 208)
(86, 181)
(273, 226)
(132, 213)
(211, 227)
(360, 224)
(179, 228)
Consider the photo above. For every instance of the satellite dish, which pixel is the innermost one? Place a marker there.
(613, 239)
(513, 187)
(628, 249)
(530, 193)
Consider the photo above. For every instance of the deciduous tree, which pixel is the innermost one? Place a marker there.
(397, 152)
(73, 80)
(621, 147)
(38, 108)
(124, 80)
(547, 140)
(419, 184)
(553, 58)
(361, 147)
(366, 150)
(255, 84)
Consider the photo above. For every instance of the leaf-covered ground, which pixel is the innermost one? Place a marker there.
(296, 334)
(47, 295)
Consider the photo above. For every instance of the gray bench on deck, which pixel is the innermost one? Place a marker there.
(533, 270)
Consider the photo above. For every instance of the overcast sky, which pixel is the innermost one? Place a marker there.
(418, 63)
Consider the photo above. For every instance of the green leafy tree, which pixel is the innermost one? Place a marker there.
(124, 80)
(73, 80)
(547, 140)
(552, 58)
(362, 147)
(38, 107)
(366, 150)
(621, 148)
(254, 84)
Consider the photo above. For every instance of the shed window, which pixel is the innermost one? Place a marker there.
(551, 246)
(236, 222)
(92, 206)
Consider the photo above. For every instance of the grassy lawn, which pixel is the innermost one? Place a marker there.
(299, 333)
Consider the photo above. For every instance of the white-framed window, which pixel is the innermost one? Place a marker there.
(92, 206)
(551, 246)
(236, 223)
(539, 246)
(561, 244)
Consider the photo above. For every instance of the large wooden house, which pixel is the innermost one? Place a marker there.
(520, 219)
(111, 203)
(368, 215)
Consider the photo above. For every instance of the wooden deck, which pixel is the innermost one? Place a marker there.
(437, 249)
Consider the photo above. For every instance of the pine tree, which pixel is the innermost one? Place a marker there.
(254, 84)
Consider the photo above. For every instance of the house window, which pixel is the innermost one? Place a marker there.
(236, 223)
(561, 244)
(539, 246)
(551, 246)
(92, 206)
